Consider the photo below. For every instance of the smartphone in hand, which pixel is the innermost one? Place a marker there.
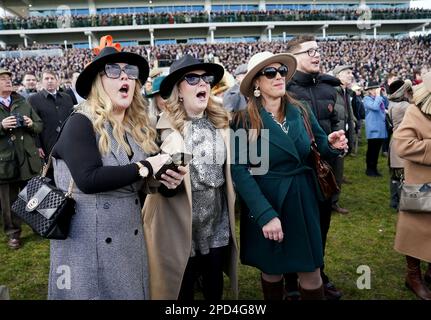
(176, 160)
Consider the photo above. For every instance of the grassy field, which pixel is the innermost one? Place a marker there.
(363, 237)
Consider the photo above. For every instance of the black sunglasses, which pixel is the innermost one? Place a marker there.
(113, 71)
(271, 72)
(193, 78)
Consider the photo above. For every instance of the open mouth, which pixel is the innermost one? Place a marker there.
(124, 89)
(201, 95)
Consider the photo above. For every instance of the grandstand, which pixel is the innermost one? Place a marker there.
(81, 22)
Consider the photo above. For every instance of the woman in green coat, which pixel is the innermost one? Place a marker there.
(279, 229)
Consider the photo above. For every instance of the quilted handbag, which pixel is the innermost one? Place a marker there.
(415, 198)
(45, 208)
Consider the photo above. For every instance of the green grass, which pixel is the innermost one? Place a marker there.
(363, 237)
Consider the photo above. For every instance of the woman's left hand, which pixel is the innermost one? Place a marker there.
(338, 140)
(173, 179)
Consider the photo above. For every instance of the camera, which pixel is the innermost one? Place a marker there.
(19, 119)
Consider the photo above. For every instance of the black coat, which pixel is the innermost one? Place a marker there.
(53, 113)
(318, 90)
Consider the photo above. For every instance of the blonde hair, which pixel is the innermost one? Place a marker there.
(218, 115)
(422, 98)
(136, 120)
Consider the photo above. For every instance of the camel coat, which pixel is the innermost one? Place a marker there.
(168, 227)
(396, 113)
(412, 142)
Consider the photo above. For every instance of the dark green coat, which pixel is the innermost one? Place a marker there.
(289, 191)
(19, 160)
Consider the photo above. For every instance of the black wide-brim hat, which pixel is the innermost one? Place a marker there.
(109, 54)
(186, 64)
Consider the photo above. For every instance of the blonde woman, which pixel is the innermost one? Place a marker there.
(412, 142)
(193, 232)
(105, 149)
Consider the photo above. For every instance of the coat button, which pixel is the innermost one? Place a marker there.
(136, 232)
(108, 240)
(136, 201)
(106, 205)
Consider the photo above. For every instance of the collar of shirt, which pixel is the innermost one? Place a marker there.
(6, 101)
(46, 93)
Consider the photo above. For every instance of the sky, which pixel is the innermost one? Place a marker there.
(421, 4)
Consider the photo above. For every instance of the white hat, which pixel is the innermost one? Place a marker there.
(259, 61)
(426, 78)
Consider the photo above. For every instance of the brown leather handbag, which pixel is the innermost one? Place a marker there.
(325, 176)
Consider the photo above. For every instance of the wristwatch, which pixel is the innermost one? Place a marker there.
(143, 170)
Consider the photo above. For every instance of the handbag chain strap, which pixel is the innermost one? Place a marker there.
(46, 166)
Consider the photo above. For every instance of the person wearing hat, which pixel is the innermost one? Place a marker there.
(346, 121)
(400, 94)
(359, 114)
(157, 103)
(193, 232)
(412, 142)
(280, 231)
(233, 100)
(19, 157)
(104, 150)
(375, 126)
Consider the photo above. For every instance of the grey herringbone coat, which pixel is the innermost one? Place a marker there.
(105, 255)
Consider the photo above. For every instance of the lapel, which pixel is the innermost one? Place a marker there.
(277, 136)
(165, 124)
(138, 153)
(119, 153)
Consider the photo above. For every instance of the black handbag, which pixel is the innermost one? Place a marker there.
(45, 208)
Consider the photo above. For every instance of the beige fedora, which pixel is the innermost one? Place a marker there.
(261, 60)
(426, 78)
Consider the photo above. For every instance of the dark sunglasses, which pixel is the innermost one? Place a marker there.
(113, 71)
(193, 78)
(271, 72)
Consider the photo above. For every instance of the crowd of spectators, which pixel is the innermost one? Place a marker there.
(100, 20)
(372, 59)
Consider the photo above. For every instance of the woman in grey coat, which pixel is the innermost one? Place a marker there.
(104, 150)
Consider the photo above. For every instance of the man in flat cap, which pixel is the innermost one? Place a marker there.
(233, 100)
(19, 157)
(345, 122)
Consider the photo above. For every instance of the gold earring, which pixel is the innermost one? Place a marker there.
(256, 92)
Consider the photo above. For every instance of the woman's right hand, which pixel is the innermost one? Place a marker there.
(158, 161)
(273, 231)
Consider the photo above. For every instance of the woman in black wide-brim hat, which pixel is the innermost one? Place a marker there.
(104, 150)
(193, 233)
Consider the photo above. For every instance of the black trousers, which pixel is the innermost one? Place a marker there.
(373, 152)
(210, 267)
(8, 195)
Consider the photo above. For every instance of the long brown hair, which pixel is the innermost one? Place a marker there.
(251, 119)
